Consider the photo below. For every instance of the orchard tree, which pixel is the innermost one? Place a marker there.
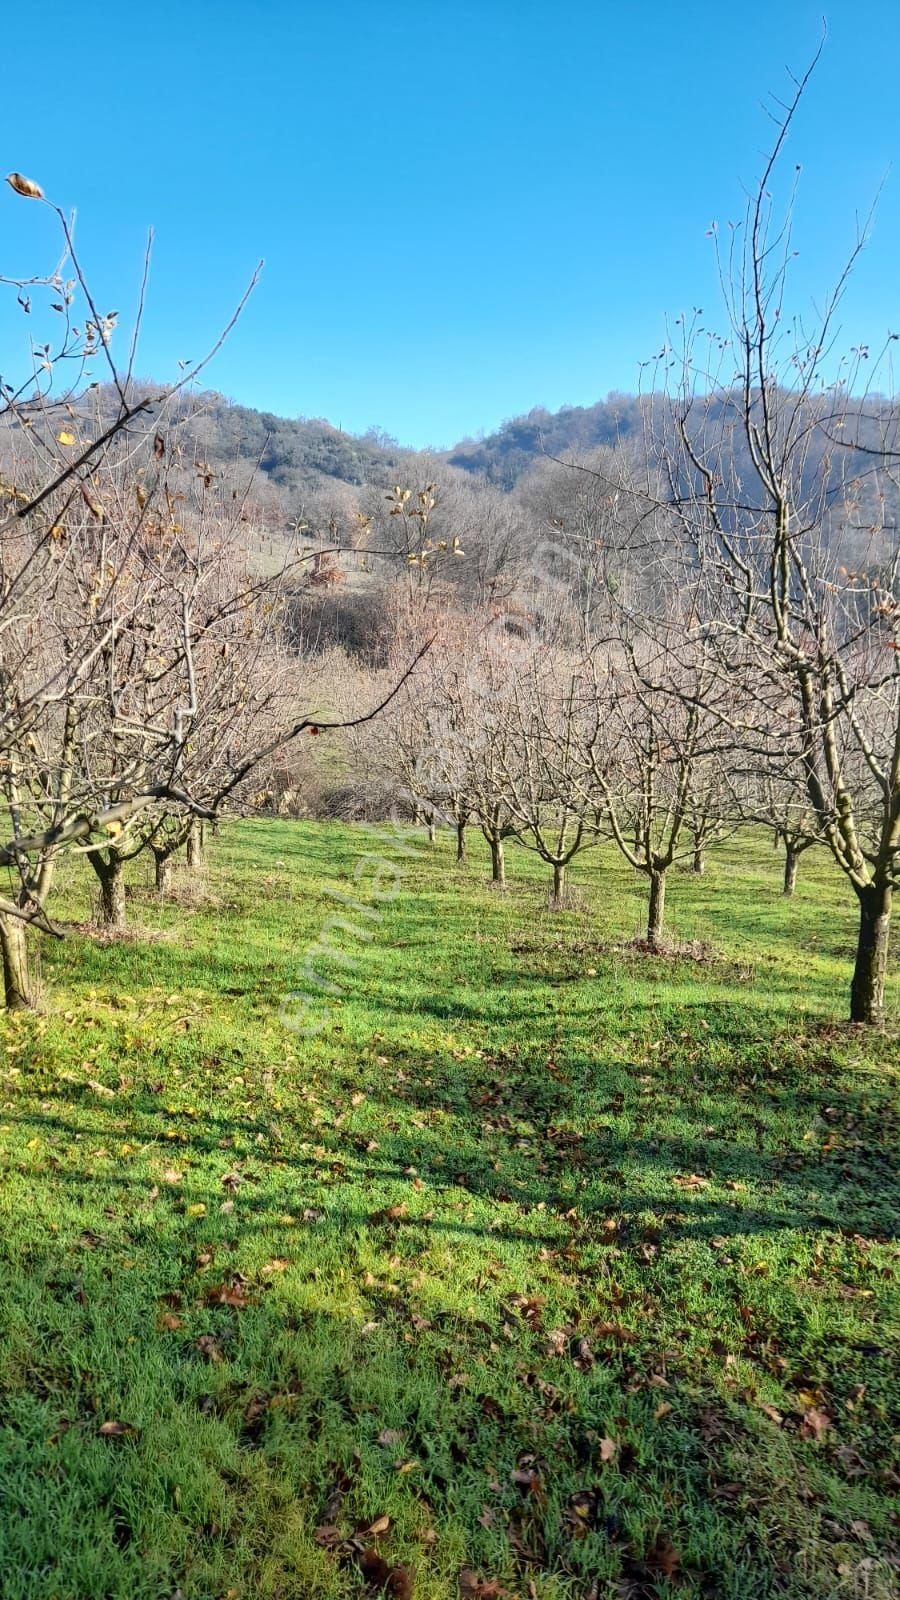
(552, 752)
(778, 477)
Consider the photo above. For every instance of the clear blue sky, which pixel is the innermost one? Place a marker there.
(465, 209)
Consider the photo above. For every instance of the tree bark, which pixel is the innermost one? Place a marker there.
(195, 844)
(559, 883)
(14, 950)
(112, 889)
(656, 909)
(498, 862)
(432, 830)
(867, 990)
(699, 860)
(791, 863)
(163, 874)
(460, 841)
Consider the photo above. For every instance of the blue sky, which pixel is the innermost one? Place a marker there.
(465, 209)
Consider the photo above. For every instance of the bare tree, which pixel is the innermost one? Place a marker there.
(651, 745)
(546, 781)
(782, 806)
(776, 478)
(112, 619)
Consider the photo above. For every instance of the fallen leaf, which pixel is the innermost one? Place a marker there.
(608, 1449)
(389, 1213)
(115, 1430)
(663, 1557)
(815, 1424)
(614, 1330)
(471, 1587)
(527, 1478)
(328, 1536)
(234, 1294)
(394, 1581)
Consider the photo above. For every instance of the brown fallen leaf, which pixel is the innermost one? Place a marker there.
(390, 1436)
(815, 1424)
(663, 1557)
(328, 1536)
(582, 1355)
(168, 1321)
(210, 1347)
(472, 1587)
(395, 1581)
(234, 1294)
(115, 1430)
(380, 1525)
(608, 1449)
(389, 1213)
(690, 1180)
(529, 1307)
(614, 1330)
(527, 1478)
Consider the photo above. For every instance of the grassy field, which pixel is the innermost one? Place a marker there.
(541, 1268)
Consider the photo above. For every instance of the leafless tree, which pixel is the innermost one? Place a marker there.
(112, 619)
(653, 748)
(775, 473)
(559, 811)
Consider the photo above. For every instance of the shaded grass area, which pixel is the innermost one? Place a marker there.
(539, 1260)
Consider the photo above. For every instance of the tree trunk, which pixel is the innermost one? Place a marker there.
(699, 860)
(14, 949)
(867, 990)
(498, 863)
(460, 841)
(791, 863)
(559, 883)
(163, 861)
(112, 889)
(432, 830)
(195, 844)
(656, 909)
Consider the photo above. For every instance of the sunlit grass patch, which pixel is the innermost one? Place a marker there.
(561, 1267)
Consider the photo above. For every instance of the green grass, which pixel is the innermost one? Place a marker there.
(435, 1263)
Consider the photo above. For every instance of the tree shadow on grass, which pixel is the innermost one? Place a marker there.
(545, 1167)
